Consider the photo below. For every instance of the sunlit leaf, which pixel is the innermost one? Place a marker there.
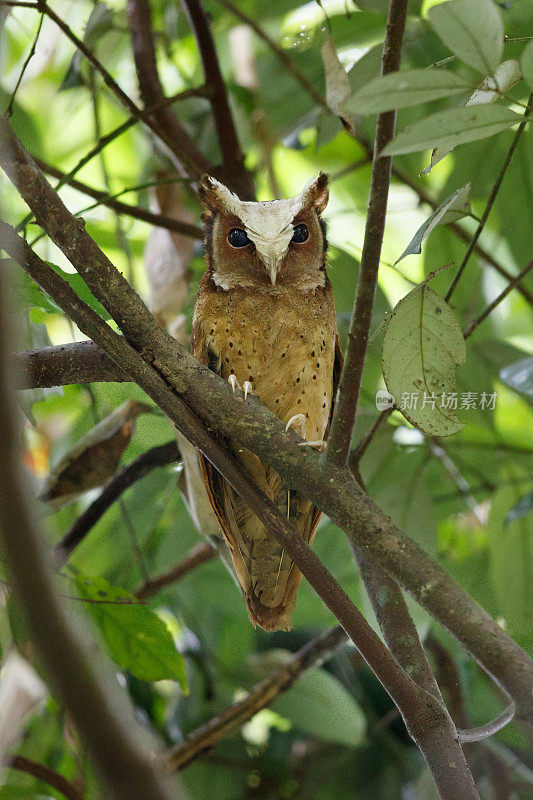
(455, 206)
(472, 29)
(402, 89)
(491, 89)
(422, 346)
(452, 127)
(135, 637)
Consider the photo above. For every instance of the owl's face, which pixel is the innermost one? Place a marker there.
(272, 244)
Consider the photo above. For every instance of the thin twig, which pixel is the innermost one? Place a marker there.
(47, 775)
(234, 172)
(491, 200)
(490, 728)
(313, 654)
(158, 456)
(103, 198)
(158, 362)
(350, 380)
(29, 57)
(199, 554)
(496, 302)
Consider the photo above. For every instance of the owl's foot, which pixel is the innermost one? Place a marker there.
(298, 423)
(246, 387)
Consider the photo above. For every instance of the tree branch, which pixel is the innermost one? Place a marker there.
(313, 654)
(46, 774)
(79, 362)
(103, 198)
(152, 92)
(122, 750)
(331, 488)
(199, 554)
(343, 420)
(234, 172)
(158, 456)
(491, 200)
(177, 141)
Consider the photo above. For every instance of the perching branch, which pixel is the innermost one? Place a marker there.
(343, 419)
(492, 199)
(47, 775)
(233, 172)
(122, 750)
(199, 554)
(162, 118)
(313, 654)
(331, 488)
(78, 362)
(158, 456)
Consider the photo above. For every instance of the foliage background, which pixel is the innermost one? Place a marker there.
(305, 748)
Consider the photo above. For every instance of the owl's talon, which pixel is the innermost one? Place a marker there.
(233, 382)
(247, 389)
(298, 423)
(320, 445)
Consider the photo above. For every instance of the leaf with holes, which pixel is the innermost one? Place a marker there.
(472, 29)
(455, 206)
(422, 346)
(403, 89)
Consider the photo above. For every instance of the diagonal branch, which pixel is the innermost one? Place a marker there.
(175, 136)
(234, 172)
(332, 489)
(199, 554)
(343, 420)
(313, 654)
(158, 456)
(44, 773)
(497, 300)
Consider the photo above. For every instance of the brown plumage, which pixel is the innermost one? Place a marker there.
(265, 314)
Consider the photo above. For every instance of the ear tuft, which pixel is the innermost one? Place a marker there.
(316, 193)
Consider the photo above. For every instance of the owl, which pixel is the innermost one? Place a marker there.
(265, 321)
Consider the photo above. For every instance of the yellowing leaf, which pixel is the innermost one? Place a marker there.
(421, 348)
(338, 87)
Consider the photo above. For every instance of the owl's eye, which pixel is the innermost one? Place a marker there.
(237, 237)
(301, 234)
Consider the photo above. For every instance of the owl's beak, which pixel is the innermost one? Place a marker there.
(271, 264)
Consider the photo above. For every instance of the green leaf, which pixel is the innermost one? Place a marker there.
(519, 376)
(472, 29)
(520, 509)
(403, 89)
(99, 22)
(526, 63)
(77, 284)
(422, 345)
(318, 704)
(455, 206)
(452, 127)
(136, 638)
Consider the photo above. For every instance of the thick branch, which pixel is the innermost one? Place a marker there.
(159, 220)
(331, 488)
(313, 654)
(158, 456)
(79, 362)
(46, 774)
(340, 436)
(122, 750)
(234, 172)
(199, 554)
(152, 92)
